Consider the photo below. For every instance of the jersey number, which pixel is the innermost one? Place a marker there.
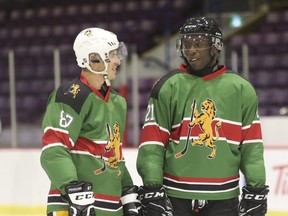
(150, 113)
(65, 119)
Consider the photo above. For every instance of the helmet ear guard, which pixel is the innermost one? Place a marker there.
(95, 58)
(217, 42)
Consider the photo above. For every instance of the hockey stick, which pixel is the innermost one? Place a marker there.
(108, 130)
(103, 168)
(180, 154)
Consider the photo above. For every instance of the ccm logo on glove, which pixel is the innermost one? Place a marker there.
(255, 196)
(84, 196)
(151, 195)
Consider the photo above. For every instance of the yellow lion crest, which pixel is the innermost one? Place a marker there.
(74, 90)
(204, 119)
(115, 144)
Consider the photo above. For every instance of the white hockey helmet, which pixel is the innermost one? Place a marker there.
(100, 41)
(94, 40)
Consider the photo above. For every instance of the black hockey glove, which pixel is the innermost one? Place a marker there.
(154, 201)
(131, 205)
(80, 197)
(253, 201)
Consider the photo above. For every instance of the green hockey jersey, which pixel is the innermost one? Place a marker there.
(198, 133)
(82, 141)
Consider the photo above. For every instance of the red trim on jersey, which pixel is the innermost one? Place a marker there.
(217, 73)
(96, 196)
(107, 197)
(96, 91)
(183, 68)
(223, 69)
(253, 132)
(231, 132)
(155, 134)
(51, 192)
(53, 136)
(208, 180)
(84, 144)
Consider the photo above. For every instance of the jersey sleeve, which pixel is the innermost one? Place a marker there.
(154, 137)
(127, 181)
(61, 125)
(252, 159)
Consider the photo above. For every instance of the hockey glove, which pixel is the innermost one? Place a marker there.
(154, 201)
(131, 205)
(80, 197)
(253, 201)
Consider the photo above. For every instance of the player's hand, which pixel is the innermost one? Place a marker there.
(154, 201)
(80, 197)
(131, 205)
(253, 201)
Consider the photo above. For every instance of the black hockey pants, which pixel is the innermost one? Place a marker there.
(188, 207)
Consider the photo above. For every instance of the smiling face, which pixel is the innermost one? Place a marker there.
(198, 50)
(97, 64)
(112, 66)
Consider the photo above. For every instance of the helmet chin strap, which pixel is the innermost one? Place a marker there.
(104, 73)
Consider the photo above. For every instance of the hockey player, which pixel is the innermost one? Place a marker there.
(201, 129)
(83, 131)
